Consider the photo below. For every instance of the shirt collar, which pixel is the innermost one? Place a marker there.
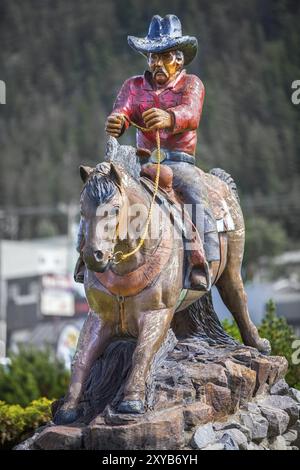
(149, 85)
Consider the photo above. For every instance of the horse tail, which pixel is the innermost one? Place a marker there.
(227, 178)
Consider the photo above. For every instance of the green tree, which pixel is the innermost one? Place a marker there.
(32, 374)
(281, 336)
(62, 81)
(263, 238)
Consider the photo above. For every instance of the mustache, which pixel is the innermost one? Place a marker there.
(160, 70)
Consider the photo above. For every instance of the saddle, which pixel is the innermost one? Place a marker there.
(216, 196)
(195, 259)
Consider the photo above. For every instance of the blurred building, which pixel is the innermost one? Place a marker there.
(39, 299)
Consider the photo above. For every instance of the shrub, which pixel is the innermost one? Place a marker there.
(32, 374)
(280, 335)
(16, 421)
(232, 329)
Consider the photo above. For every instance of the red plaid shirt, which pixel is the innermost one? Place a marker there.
(183, 98)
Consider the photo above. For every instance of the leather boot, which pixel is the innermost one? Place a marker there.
(79, 271)
(197, 270)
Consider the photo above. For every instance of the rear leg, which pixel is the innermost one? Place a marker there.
(231, 289)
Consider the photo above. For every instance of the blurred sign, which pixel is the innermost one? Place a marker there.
(22, 302)
(52, 261)
(57, 302)
(20, 296)
(66, 345)
(57, 298)
(56, 281)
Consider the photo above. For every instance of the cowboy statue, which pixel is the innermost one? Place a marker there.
(169, 99)
(134, 288)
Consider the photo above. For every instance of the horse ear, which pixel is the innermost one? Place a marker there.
(85, 172)
(116, 174)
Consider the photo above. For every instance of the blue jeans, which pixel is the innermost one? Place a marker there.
(188, 182)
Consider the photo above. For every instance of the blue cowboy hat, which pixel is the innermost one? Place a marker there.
(165, 34)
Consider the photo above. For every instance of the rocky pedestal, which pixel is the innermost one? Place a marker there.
(205, 391)
(194, 385)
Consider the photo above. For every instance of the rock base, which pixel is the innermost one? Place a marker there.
(199, 396)
(269, 422)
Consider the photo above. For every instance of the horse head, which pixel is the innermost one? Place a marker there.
(100, 205)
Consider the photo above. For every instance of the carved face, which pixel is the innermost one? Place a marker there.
(165, 66)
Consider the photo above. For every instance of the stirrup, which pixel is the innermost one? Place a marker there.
(200, 279)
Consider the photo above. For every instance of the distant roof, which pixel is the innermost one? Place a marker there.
(38, 256)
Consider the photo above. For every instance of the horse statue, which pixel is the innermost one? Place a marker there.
(138, 296)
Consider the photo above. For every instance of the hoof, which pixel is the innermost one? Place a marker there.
(66, 416)
(131, 406)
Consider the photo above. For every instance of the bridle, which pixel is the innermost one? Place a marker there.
(116, 257)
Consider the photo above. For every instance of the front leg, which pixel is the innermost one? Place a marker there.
(94, 337)
(153, 327)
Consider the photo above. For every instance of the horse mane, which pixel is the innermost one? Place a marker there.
(124, 156)
(100, 187)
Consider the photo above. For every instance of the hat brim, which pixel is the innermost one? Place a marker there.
(187, 44)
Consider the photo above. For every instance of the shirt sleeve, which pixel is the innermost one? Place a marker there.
(123, 103)
(187, 115)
